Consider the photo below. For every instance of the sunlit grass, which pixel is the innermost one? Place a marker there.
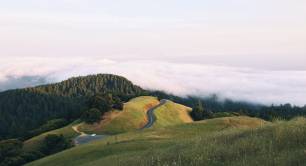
(171, 114)
(221, 141)
(133, 116)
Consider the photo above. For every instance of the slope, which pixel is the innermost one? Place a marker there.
(226, 141)
(171, 113)
(36, 142)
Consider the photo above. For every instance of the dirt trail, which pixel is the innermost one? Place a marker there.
(76, 129)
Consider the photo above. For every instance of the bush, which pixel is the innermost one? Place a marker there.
(54, 143)
(91, 116)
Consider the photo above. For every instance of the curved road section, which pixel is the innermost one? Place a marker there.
(151, 116)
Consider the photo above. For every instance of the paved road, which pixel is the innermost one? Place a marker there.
(84, 138)
(151, 116)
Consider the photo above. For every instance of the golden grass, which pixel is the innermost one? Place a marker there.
(133, 116)
(239, 121)
(171, 114)
(221, 141)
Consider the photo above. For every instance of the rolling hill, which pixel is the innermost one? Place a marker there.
(133, 117)
(220, 141)
(170, 114)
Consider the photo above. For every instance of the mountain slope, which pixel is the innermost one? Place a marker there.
(23, 110)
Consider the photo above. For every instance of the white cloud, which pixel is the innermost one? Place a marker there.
(263, 86)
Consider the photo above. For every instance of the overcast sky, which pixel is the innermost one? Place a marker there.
(256, 39)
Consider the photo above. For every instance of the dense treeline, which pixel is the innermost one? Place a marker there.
(90, 86)
(22, 111)
(27, 109)
(212, 106)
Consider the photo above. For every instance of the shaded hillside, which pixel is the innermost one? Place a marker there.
(26, 109)
(89, 86)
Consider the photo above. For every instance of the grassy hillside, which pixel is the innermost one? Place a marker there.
(132, 117)
(171, 114)
(35, 142)
(221, 141)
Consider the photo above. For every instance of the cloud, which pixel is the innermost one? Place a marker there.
(262, 86)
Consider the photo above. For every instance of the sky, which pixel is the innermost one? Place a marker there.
(246, 50)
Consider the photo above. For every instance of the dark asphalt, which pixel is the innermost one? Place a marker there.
(151, 116)
(83, 139)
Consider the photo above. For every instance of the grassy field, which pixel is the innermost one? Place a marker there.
(132, 117)
(171, 114)
(35, 142)
(221, 141)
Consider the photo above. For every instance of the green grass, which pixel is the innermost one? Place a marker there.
(35, 142)
(131, 118)
(171, 114)
(222, 141)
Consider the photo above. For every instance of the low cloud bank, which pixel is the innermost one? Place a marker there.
(261, 86)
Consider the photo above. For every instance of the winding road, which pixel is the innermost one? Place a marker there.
(84, 138)
(151, 116)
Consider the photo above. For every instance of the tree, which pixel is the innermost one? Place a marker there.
(9, 153)
(91, 116)
(103, 102)
(199, 113)
(117, 103)
(54, 143)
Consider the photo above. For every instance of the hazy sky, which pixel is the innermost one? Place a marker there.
(268, 37)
